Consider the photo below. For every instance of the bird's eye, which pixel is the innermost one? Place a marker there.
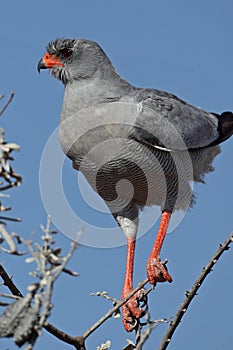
(66, 52)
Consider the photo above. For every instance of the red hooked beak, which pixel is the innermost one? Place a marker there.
(49, 61)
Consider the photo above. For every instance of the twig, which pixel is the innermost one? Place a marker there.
(7, 103)
(9, 240)
(145, 335)
(15, 297)
(9, 283)
(9, 219)
(50, 281)
(191, 294)
(113, 310)
(77, 342)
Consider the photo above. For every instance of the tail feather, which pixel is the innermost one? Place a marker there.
(225, 127)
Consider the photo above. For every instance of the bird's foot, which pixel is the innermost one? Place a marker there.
(131, 310)
(157, 271)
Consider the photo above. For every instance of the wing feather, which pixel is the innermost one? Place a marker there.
(166, 121)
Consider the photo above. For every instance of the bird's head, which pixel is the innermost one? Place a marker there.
(73, 59)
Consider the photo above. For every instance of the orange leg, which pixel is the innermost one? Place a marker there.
(156, 271)
(131, 312)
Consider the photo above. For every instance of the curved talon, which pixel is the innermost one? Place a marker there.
(157, 271)
(131, 312)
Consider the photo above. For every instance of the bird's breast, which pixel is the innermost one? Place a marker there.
(99, 130)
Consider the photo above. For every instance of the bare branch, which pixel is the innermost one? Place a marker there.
(192, 292)
(8, 238)
(49, 266)
(77, 342)
(4, 295)
(8, 177)
(9, 283)
(145, 335)
(7, 103)
(113, 310)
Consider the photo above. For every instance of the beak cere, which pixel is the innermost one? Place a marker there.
(49, 61)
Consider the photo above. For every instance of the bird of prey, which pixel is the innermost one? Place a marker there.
(136, 147)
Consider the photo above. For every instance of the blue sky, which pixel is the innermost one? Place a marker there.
(184, 48)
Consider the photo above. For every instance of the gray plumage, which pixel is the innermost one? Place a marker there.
(136, 147)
